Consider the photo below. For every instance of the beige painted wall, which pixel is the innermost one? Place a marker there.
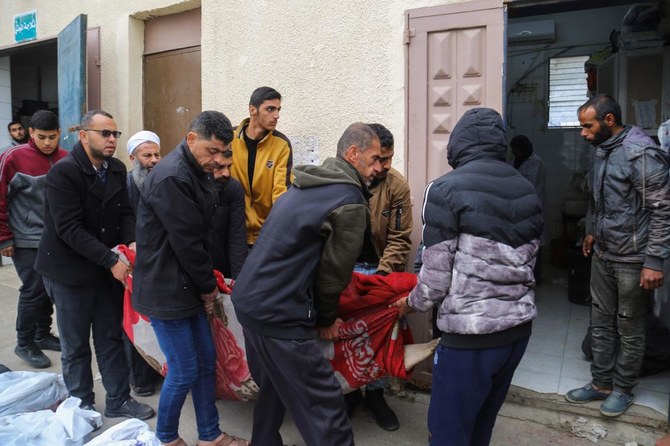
(333, 64)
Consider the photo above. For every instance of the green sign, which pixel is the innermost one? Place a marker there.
(25, 26)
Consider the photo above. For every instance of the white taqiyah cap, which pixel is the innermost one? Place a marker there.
(140, 138)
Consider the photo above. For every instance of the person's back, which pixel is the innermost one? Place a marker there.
(280, 269)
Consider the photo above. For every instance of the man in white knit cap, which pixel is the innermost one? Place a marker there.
(144, 150)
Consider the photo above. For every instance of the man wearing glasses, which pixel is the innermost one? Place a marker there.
(86, 214)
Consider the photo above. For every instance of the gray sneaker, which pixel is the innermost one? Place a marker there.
(32, 354)
(585, 394)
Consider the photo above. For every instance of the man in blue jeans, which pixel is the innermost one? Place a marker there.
(385, 249)
(174, 282)
(86, 215)
(628, 231)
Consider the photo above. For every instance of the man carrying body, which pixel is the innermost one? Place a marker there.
(262, 158)
(290, 285)
(144, 151)
(482, 229)
(86, 215)
(628, 230)
(228, 234)
(23, 171)
(385, 249)
(174, 283)
(17, 134)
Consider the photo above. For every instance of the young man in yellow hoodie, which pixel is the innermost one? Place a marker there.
(262, 158)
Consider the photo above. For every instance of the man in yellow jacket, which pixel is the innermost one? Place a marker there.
(262, 158)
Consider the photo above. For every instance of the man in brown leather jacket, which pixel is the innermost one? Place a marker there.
(385, 249)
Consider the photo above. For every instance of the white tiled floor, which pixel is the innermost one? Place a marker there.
(554, 362)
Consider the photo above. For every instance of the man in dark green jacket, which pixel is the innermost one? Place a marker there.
(290, 286)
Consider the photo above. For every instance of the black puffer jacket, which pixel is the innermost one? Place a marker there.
(630, 209)
(482, 228)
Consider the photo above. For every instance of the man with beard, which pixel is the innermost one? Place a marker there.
(262, 158)
(144, 150)
(385, 249)
(22, 174)
(228, 233)
(17, 133)
(86, 215)
(627, 229)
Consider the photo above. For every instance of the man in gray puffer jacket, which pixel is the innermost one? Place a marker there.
(628, 229)
(482, 229)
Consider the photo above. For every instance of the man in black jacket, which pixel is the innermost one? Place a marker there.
(174, 282)
(86, 215)
(290, 285)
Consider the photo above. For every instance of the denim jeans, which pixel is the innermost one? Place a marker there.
(617, 317)
(33, 316)
(82, 309)
(191, 359)
(369, 269)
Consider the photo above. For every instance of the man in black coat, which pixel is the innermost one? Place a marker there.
(86, 215)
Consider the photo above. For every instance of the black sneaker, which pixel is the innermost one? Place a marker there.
(131, 409)
(32, 354)
(48, 342)
(4, 369)
(384, 416)
(143, 390)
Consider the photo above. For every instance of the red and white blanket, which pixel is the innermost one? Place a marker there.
(371, 344)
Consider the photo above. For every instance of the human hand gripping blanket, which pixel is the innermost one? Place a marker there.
(373, 340)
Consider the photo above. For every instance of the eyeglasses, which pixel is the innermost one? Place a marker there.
(105, 133)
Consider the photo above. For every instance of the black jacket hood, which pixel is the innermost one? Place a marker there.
(479, 134)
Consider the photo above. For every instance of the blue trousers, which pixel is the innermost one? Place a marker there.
(469, 387)
(191, 359)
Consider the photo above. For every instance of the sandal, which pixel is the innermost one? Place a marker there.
(225, 440)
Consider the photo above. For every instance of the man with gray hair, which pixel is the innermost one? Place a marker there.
(289, 289)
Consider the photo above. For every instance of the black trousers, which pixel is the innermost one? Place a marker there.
(33, 316)
(294, 375)
(141, 373)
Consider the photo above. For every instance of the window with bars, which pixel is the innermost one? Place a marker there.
(567, 90)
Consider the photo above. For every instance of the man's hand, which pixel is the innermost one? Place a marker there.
(8, 251)
(587, 245)
(651, 279)
(120, 271)
(402, 306)
(330, 333)
(208, 300)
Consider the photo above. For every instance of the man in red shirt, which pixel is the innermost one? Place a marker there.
(23, 169)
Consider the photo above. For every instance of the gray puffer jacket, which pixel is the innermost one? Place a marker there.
(482, 228)
(629, 214)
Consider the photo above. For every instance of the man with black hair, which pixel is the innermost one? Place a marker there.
(174, 283)
(627, 230)
(385, 249)
(86, 215)
(17, 133)
(23, 170)
(262, 158)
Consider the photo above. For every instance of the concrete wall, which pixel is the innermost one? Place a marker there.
(333, 63)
